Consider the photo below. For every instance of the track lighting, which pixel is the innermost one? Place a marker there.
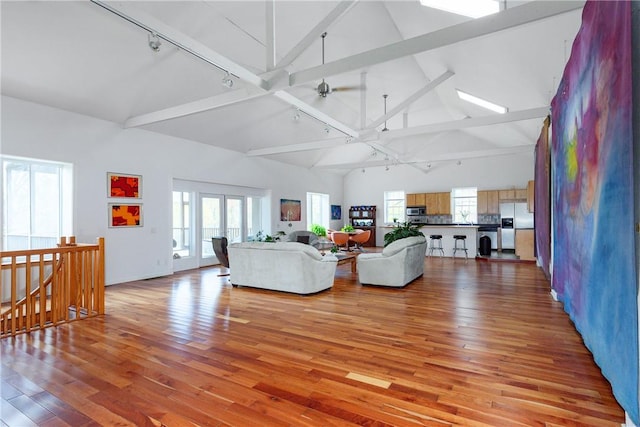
(429, 165)
(296, 115)
(327, 129)
(362, 170)
(154, 42)
(386, 167)
(226, 80)
(459, 162)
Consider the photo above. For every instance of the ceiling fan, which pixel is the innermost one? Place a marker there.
(323, 88)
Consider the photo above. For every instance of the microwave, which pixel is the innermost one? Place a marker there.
(416, 210)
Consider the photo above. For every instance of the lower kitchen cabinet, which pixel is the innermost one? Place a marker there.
(524, 244)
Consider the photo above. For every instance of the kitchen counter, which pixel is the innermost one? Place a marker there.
(447, 231)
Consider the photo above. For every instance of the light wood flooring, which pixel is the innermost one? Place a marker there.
(471, 343)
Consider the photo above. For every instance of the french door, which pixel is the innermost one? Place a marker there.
(219, 215)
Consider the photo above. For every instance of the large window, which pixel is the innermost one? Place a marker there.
(181, 224)
(318, 209)
(465, 205)
(394, 206)
(37, 201)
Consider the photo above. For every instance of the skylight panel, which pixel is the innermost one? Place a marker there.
(482, 102)
(470, 8)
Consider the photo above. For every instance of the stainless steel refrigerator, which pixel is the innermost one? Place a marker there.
(513, 216)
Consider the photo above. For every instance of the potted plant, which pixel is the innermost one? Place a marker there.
(400, 231)
(347, 228)
(318, 230)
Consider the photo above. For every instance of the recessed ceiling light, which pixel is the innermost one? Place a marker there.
(482, 102)
(470, 8)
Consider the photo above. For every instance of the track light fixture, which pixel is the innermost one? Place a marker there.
(227, 81)
(296, 115)
(386, 167)
(154, 42)
(349, 139)
(385, 112)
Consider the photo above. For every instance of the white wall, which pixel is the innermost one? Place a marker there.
(491, 173)
(96, 147)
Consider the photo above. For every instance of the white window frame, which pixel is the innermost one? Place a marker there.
(394, 206)
(64, 184)
(318, 210)
(465, 200)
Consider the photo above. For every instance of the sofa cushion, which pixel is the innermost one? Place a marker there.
(398, 245)
(282, 246)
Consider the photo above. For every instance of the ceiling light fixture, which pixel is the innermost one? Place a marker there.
(296, 115)
(386, 167)
(327, 128)
(227, 81)
(154, 42)
(384, 129)
(482, 102)
(470, 8)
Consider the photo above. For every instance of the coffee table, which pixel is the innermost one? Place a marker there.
(348, 258)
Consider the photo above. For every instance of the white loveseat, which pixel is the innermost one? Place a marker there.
(281, 266)
(398, 264)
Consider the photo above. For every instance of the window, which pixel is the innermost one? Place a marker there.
(318, 209)
(465, 205)
(181, 224)
(37, 200)
(394, 207)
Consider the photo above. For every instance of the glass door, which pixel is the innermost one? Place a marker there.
(211, 225)
(234, 219)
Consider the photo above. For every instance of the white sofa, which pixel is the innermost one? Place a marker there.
(281, 266)
(398, 264)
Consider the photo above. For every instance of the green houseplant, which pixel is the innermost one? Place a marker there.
(318, 230)
(347, 228)
(400, 231)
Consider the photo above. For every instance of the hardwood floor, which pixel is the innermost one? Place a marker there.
(470, 343)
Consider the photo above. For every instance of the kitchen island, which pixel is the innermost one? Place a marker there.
(447, 231)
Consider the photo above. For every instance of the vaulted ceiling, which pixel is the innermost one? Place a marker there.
(94, 58)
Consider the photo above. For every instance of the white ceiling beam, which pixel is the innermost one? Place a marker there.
(514, 116)
(315, 113)
(413, 98)
(449, 157)
(312, 36)
(181, 40)
(271, 34)
(206, 104)
(520, 15)
(303, 146)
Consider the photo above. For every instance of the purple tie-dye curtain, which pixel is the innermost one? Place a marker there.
(542, 197)
(594, 271)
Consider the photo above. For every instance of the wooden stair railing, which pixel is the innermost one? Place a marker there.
(69, 285)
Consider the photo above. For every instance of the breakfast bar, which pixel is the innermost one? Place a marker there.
(447, 231)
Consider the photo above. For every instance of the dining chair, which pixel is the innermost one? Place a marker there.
(360, 239)
(220, 249)
(340, 239)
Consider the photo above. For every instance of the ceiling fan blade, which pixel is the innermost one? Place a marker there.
(347, 88)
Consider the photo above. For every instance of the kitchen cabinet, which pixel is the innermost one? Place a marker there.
(444, 203)
(524, 244)
(411, 199)
(530, 196)
(420, 199)
(488, 202)
(431, 202)
(416, 199)
(521, 194)
(507, 195)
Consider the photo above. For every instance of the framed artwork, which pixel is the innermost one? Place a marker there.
(290, 210)
(122, 185)
(125, 214)
(336, 212)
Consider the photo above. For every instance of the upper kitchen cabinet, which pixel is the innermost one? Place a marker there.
(416, 199)
(517, 195)
(444, 203)
(488, 202)
(431, 202)
(530, 195)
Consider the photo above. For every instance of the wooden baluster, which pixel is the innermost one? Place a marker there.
(99, 281)
(14, 292)
(27, 294)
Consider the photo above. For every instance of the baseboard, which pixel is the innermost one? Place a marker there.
(554, 295)
(627, 421)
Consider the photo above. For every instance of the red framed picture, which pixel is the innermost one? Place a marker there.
(122, 185)
(125, 214)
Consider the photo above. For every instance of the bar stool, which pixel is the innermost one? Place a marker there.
(460, 238)
(433, 239)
